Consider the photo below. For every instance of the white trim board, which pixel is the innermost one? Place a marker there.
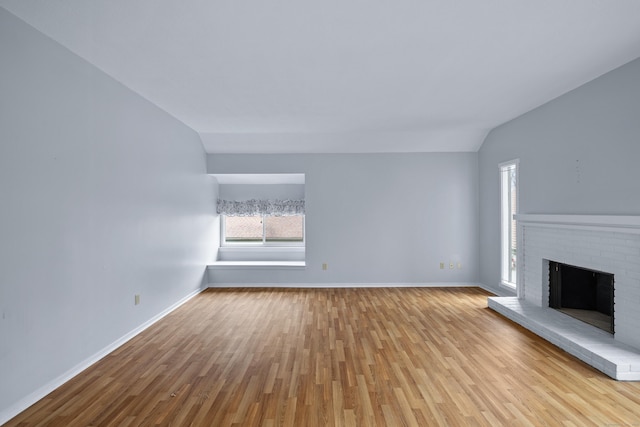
(15, 409)
(241, 265)
(349, 285)
(614, 223)
(500, 290)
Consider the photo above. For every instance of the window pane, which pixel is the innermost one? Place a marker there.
(284, 228)
(508, 177)
(243, 229)
(512, 211)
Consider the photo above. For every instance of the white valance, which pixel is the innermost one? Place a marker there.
(260, 207)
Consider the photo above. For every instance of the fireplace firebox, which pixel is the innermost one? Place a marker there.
(587, 295)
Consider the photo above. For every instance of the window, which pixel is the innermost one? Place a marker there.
(508, 235)
(264, 230)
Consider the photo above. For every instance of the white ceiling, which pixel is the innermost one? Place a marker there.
(340, 75)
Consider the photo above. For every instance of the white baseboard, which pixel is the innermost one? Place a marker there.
(8, 413)
(347, 285)
(497, 291)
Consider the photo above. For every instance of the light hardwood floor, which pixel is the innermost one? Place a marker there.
(352, 357)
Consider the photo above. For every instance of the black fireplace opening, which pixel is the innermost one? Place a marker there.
(584, 294)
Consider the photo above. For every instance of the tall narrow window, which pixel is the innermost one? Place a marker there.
(508, 235)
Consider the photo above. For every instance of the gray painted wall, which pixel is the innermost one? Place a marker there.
(103, 196)
(261, 191)
(375, 218)
(578, 154)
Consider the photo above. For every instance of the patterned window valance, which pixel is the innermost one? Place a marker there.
(260, 207)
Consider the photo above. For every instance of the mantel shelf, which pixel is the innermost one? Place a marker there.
(630, 223)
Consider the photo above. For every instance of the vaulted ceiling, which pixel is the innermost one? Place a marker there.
(344, 75)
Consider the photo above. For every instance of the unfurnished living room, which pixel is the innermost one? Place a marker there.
(242, 213)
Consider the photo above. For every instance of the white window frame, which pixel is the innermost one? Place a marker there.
(506, 224)
(264, 243)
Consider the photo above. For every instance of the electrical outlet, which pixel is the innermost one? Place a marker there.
(324, 266)
(450, 265)
(459, 265)
(137, 299)
(442, 266)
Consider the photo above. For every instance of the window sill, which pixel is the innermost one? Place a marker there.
(252, 255)
(257, 265)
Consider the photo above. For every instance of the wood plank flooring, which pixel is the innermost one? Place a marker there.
(338, 357)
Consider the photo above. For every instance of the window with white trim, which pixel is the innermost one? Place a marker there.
(262, 230)
(508, 232)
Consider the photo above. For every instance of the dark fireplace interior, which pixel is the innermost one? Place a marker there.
(584, 294)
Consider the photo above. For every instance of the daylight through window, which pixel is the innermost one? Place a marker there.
(263, 229)
(508, 208)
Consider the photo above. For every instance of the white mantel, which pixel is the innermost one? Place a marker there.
(608, 243)
(625, 223)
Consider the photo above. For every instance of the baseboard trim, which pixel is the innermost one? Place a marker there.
(348, 285)
(15, 409)
(497, 291)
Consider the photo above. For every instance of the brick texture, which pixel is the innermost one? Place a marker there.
(611, 252)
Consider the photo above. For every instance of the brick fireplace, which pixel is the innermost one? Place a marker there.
(599, 243)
